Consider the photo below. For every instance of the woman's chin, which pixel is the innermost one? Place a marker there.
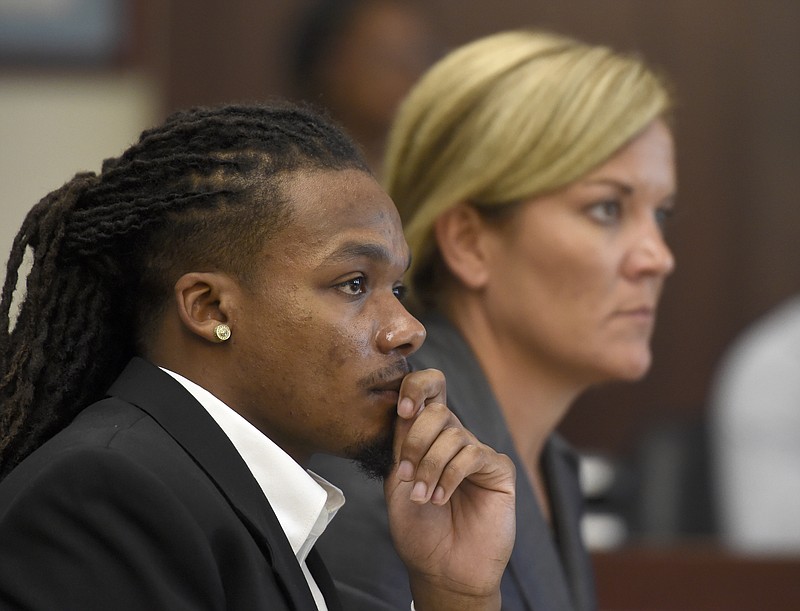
(627, 367)
(634, 369)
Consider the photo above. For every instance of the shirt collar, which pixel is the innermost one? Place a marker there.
(303, 502)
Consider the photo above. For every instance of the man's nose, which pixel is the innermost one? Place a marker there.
(403, 334)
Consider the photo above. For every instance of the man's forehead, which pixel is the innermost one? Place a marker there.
(344, 213)
(373, 251)
(322, 198)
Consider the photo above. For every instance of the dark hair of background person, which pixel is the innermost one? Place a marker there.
(358, 59)
(202, 190)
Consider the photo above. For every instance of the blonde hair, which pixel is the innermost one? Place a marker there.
(510, 116)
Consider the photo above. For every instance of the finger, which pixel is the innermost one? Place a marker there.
(471, 459)
(413, 438)
(423, 446)
(437, 469)
(418, 389)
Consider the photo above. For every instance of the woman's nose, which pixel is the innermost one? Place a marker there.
(651, 256)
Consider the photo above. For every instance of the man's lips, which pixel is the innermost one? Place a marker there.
(394, 387)
(389, 390)
(387, 379)
(390, 387)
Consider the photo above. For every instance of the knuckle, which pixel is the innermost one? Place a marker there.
(429, 464)
(458, 432)
(436, 375)
(410, 385)
(413, 442)
(438, 409)
(475, 454)
(454, 472)
(475, 450)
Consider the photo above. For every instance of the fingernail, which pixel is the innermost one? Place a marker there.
(419, 492)
(405, 472)
(405, 408)
(438, 496)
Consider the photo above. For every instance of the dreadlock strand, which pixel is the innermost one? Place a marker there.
(43, 230)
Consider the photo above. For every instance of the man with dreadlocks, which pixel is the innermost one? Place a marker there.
(217, 305)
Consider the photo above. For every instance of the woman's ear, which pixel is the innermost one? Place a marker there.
(204, 301)
(461, 237)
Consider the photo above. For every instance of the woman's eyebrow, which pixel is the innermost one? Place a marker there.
(623, 186)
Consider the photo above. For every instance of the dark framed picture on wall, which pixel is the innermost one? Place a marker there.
(63, 32)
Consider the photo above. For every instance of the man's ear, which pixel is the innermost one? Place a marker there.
(205, 300)
(461, 237)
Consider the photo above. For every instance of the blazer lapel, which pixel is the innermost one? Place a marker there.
(566, 498)
(161, 396)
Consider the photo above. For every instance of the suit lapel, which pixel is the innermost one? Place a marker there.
(157, 393)
(323, 579)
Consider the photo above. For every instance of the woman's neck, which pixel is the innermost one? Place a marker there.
(532, 394)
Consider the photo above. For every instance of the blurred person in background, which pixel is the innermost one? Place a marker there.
(755, 435)
(358, 59)
(534, 175)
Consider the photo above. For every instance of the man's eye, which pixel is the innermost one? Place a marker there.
(354, 286)
(400, 291)
(606, 212)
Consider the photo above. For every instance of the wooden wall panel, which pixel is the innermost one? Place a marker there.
(695, 578)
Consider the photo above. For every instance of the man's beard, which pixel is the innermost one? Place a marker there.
(376, 458)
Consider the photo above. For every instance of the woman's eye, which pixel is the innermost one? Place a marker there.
(606, 212)
(663, 215)
(354, 286)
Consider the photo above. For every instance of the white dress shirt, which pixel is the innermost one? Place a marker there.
(303, 502)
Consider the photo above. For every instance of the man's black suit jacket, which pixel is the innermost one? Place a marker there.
(143, 503)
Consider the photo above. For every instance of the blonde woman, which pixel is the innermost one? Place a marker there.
(533, 174)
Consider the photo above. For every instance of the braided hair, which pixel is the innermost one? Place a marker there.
(202, 191)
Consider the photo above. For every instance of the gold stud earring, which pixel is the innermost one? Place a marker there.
(222, 331)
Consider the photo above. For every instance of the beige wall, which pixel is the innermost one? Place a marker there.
(52, 126)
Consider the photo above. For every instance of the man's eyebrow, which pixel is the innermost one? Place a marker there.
(356, 250)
